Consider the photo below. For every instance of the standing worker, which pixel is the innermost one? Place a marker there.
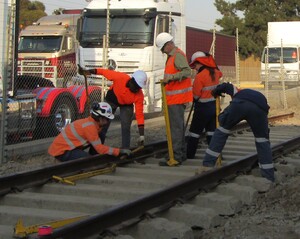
(178, 88)
(204, 117)
(125, 92)
(249, 105)
(69, 144)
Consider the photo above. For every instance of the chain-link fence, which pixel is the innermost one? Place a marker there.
(40, 104)
(36, 109)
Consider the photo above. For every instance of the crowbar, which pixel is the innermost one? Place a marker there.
(218, 110)
(171, 161)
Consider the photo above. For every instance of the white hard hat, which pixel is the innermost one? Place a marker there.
(195, 56)
(162, 39)
(140, 78)
(102, 109)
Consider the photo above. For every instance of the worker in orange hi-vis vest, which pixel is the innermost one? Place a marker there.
(204, 117)
(125, 93)
(70, 143)
(178, 90)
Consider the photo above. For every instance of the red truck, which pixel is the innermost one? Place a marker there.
(38, 102)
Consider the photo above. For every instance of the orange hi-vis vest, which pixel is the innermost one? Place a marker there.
(177, 92)
(77, 134)
(203, 85)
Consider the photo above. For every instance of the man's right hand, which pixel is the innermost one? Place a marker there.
(82, 71)
(125, 152)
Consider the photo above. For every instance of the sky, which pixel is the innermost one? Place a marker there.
(199, 13)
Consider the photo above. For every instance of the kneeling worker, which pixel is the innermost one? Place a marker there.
(68, 145)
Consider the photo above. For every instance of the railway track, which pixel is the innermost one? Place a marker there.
(141, 199)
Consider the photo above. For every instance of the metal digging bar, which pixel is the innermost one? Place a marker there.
(114, 216)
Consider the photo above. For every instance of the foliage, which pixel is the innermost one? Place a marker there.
(251, 17)
(30, 12)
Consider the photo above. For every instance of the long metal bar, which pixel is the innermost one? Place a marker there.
(218, 110)
(171, 161)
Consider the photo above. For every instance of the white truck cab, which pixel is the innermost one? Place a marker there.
(283, 50)
(133, 27)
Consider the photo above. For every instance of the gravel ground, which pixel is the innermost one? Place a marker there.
(275, 216)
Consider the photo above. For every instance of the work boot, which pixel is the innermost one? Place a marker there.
(169, 163)
(202, 169)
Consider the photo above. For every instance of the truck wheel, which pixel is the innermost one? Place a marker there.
(63, 113)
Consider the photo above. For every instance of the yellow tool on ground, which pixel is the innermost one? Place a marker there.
(20, 231)
(218, 110)
(171, 161)
(71, 179)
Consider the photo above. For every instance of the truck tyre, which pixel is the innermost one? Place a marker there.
(64, 111)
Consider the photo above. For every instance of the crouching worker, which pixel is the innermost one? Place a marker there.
(70, 143)
(249, 105)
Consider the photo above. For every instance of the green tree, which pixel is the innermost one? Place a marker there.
(251, 17)
(30, 12)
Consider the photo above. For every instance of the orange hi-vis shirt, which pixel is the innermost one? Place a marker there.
(123, 93)
(203, 85)
(177, 92)
(77, 134)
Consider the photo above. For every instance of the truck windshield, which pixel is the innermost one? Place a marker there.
(124, 31)
(39, 44)
(289, 55)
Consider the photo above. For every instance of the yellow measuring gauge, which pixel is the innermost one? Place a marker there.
(20, 231)
(71, 179)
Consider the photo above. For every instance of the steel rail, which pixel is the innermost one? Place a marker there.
(23, 180)
(138, 207)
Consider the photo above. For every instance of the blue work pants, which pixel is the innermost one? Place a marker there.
(257, 118)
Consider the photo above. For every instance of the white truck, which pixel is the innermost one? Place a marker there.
(133, 27)
(283, 52)
(48, 48)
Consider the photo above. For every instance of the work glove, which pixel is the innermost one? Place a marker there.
(168, 78)
(84, 72)
(141, 140)
(216, 92)
(125, 152)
